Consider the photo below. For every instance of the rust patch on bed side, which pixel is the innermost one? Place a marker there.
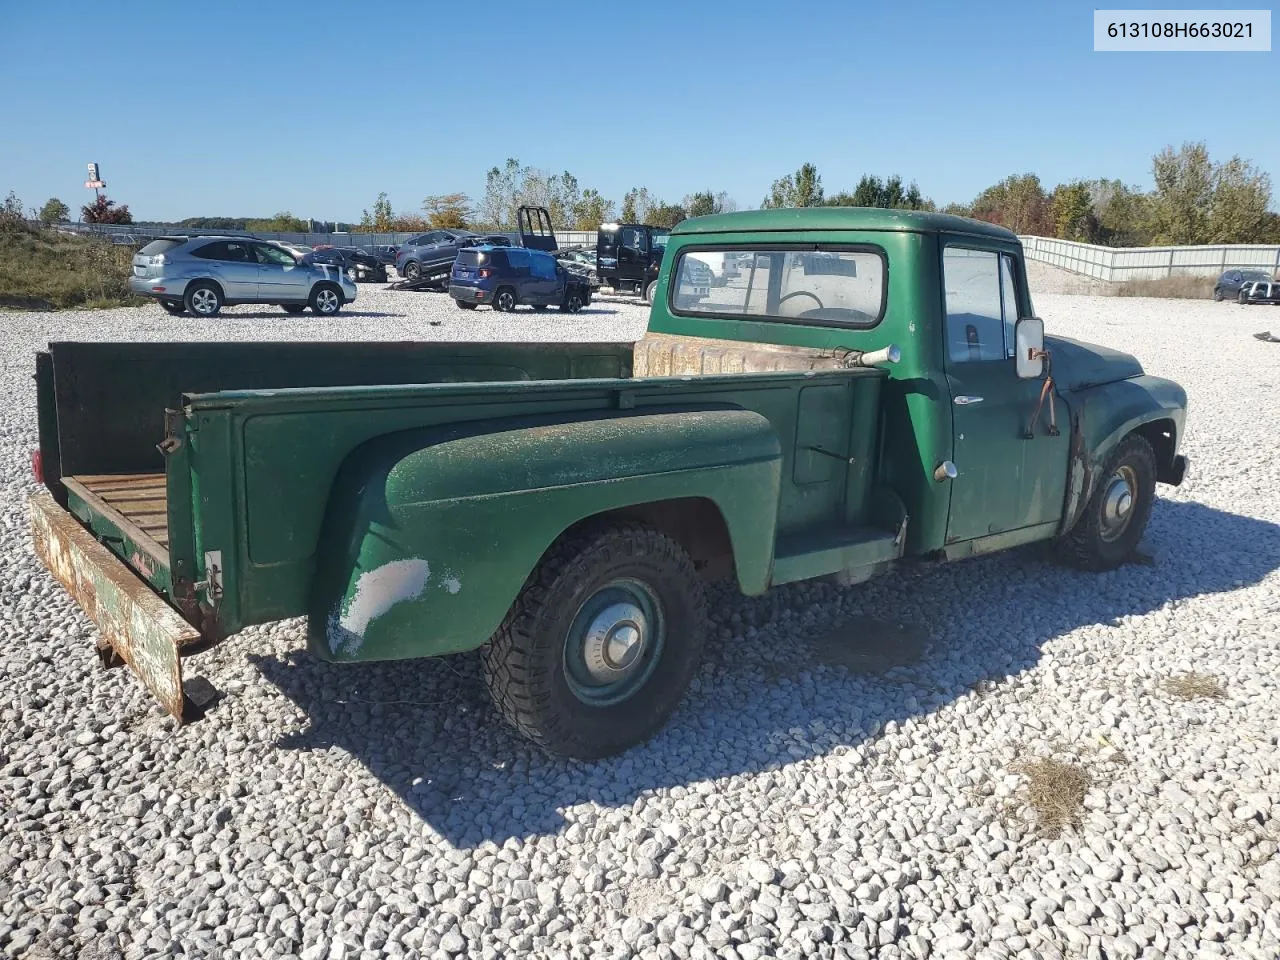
(139, 626)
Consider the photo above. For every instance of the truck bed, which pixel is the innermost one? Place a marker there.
(136, 502)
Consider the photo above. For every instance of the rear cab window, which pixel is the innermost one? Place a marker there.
(839, 285)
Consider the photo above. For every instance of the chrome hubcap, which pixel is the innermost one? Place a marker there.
(327, 300)
(504, 301)
(614, 643)
(204, 301)
(1117, 502)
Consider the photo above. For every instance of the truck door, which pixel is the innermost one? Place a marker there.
(1005, 480)
(633, 254)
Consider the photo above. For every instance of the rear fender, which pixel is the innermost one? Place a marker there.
(1101, 417)
(431, 534)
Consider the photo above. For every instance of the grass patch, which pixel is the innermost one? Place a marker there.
(42, 269)
(1178, 288)
(1055, 791)
(1195, 686)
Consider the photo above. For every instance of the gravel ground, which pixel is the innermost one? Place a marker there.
(850, 776)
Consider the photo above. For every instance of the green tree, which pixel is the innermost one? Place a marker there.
(103, 210)
(801, 189)
(665, 215)
(1183, 199)
(1238, 210)
(1017, 202)
(636, 204)
(705, 203)
(380, 220)
(54, 211)
(448, 211)
(591, 210)
(889, 194)
(1071, 207)
(282, 222)
(1123, 214)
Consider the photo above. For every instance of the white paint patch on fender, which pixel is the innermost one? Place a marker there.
(377, 592)
(452, 584)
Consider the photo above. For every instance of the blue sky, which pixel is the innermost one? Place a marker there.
(243, 109)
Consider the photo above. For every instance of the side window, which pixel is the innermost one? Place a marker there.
(1009, 301)
(226, 251)
(273, 255)
(633, 239)
(544, 267)
(975, 318)
(211, 251)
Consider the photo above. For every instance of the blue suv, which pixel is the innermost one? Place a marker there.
(505, 277)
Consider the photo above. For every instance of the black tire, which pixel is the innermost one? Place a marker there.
(572, 302)
(293, 307)
(174, 307)
(1241, 298)
(527, 663)
(203, 298)
(411, 270)
(649, 291)
(326, 299)
(1217, 294)
(504, 301)
(1101, 539)
(464, 305)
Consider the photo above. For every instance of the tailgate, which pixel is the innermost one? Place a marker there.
(135, 623)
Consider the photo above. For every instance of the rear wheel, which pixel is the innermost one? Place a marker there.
(600, 645)
(294, 307)
(505, 300)
(649, 291)
(326, 300)
(1217, 293)
(204, 299)
(175, 307)
(1240, 297)
(1116, 516)
(412, 270)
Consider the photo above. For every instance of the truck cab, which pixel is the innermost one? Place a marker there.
(866, 388)
(629, 255)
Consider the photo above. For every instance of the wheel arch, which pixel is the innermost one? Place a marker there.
(209, 280)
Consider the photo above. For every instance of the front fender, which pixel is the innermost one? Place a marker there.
(431, 534)
(1102, 416)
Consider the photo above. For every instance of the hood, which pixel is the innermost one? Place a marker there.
(1078, 365)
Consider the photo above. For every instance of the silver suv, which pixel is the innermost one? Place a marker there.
(204, 274)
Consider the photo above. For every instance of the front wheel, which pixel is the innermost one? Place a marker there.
(601, 644)
(649, 291)
(411, 270)
(572, 302)
(1217, 294)
(1116, 516)
(326, 300)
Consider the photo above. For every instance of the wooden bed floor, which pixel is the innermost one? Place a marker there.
(134, 501)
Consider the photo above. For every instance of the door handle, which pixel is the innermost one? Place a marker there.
(962, 401)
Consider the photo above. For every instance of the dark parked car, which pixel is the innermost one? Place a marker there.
(505, 277)
(360, 264)
(1229, 284)
(386, 253)
(429, 251)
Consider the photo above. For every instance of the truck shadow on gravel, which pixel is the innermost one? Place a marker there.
(789, 676)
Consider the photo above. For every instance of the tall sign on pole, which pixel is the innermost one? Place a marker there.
(94, 182)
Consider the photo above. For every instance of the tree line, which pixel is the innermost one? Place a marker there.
(1195, 200)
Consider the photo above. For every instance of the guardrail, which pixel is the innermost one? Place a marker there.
(1118, 264)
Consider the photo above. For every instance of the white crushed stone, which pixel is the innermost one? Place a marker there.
(791, 808)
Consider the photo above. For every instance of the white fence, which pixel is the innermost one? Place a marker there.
(1118, 264)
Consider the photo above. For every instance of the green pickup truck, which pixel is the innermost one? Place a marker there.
(868, 386)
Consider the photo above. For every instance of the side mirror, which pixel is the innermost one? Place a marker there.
(1028, 338)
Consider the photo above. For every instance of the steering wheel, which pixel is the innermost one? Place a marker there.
(801, 293)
